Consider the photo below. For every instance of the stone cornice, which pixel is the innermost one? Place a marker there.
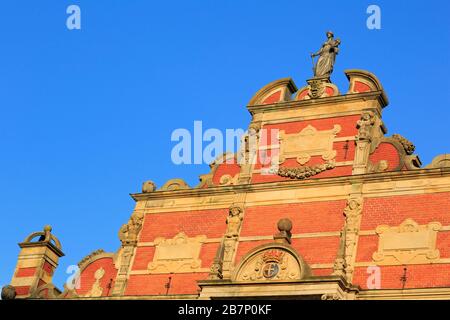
(289, 184)
(38, 244)
(311, 279)
(438, 293)
(312, 103)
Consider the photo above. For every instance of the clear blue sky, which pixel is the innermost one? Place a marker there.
(86, 116)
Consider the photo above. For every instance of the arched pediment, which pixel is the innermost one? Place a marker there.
(271, 262)
(274, 92)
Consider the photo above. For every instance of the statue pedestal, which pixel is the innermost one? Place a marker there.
(325, 79)
(317, 86)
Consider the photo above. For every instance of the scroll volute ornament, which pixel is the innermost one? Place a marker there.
(441, 161)
(407, 145)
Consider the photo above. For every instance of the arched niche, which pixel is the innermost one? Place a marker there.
(271, 262)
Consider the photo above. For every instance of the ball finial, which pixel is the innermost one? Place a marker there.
(284, 225)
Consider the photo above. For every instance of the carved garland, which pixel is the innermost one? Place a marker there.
(305, 171)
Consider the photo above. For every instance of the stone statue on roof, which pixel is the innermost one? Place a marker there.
(327, 56)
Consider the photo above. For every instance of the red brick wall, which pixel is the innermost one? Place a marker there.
(197, 222)
(392, 211)
(418, 276)
(87, 276)
(143, 256)
(322, 272)
(245, 247)
(317, 250)
(274, 97)
(345, 151)
(369, 244)
(22, 290)
(347, 123)
(312, 217)
(26, 272)
(181, 283)
(423, 208)
(226, 168)
(48, 268)
(312, 250)
(320, 216)
(386, 151)
(211, 223)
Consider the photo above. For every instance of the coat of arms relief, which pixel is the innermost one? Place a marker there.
(272, 264)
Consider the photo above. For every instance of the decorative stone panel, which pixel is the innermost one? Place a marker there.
(177, 255)
(409, 243)
(307, 143)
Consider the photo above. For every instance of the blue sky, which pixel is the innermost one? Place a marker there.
(87, 115)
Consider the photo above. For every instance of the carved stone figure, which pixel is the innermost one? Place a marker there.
(216, 268)
(234, 221)
(327, 56)
(340, 264)
(352, 212)
(129, 232)
(364, 126)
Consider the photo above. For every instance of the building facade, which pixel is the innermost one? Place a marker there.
(319, 203)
